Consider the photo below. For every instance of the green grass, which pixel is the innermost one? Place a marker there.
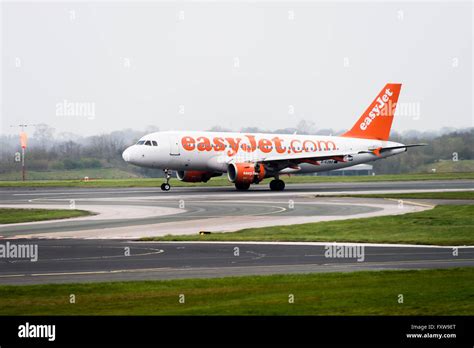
(223, 181)
(425, 292)
(443, 225)
(13, 215)
(466, 195)
(447, 166)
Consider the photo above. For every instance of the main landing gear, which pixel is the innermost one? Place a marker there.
(277, 185)
(166, 186)
(242, 186)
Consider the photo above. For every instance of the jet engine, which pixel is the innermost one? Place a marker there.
(244, 174)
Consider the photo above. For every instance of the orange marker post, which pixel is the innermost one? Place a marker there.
(23, 142)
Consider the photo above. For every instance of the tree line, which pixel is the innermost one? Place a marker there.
(48, 151)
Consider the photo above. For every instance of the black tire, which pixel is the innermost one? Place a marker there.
(272, 185)
(242, 186)
(281, 185)
(165, 186)
(277, 185)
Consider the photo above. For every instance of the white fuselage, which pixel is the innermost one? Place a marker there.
(213, 151)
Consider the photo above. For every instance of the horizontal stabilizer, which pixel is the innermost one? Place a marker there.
(378, 150)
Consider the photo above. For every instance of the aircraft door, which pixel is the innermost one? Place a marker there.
(174, 145)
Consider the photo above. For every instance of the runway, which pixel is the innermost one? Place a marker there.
(68, 261)
(104, 247)
(136, 212)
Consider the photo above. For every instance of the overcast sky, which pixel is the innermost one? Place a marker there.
(92, 67)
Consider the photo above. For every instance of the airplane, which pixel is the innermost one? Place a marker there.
(248, 158)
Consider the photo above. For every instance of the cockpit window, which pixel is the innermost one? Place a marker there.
(148, 142)
(141, 142)
(154, 143)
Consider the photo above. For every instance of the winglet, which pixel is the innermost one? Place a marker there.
(376, 121)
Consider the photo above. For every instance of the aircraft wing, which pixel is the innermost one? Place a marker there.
(306, 157)
(289, 160)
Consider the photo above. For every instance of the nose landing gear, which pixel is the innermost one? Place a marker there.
(166, 186)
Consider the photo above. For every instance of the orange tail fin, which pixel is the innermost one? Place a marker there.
(376, 121)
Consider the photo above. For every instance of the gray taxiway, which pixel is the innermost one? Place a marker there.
(68, 261)
(86, 249)
(134, 212)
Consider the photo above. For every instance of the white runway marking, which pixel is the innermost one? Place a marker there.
(384, 245)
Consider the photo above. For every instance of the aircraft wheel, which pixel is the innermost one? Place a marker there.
(242, 186)
(165, 186)
(277, 185)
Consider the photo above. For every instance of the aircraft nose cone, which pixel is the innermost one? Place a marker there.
(126, 155)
